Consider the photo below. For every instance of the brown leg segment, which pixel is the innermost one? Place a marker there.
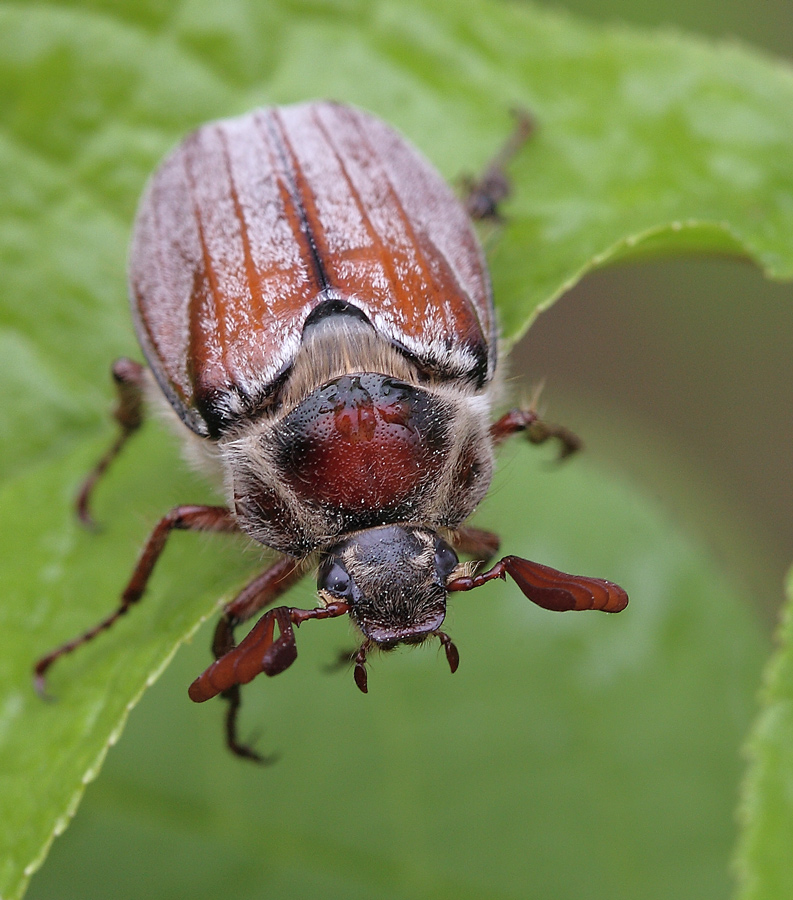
(185, 518)
(263, 591)
(484, 194)
(476, 542)
(537, 431)
(128, 377)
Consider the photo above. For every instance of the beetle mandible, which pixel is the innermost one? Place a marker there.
(314, 306)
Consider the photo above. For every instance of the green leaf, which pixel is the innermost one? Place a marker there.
(763, 864)
(646, 144)
(580, 755)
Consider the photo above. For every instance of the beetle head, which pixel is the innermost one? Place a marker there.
(394, 579)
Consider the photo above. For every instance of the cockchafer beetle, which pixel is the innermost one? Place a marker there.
(313, 303)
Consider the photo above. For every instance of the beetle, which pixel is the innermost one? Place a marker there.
(315, 311)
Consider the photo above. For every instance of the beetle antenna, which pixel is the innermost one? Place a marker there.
(550, 588)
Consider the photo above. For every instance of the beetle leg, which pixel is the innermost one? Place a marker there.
(128, 377)
(537, 431)
(263, 591)
(476, 542)
(185, 518)
(484, 194)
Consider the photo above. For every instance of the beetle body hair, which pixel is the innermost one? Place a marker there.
(277, 516)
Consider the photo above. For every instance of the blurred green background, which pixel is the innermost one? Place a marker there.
(699, 368)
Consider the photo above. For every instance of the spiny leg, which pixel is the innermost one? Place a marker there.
(476, 542)
(537, 431)
(260, 593)
(128, 377)
(484, 194)
(184, 518)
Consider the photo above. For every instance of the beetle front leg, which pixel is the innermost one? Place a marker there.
(128, 377)
(537, 431)
(184, 518)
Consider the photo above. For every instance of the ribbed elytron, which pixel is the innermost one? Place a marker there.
(313, 303)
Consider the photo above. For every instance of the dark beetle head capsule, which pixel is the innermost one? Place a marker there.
(394, 579)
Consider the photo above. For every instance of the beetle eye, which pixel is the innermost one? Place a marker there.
(335, 579)
(445, 560)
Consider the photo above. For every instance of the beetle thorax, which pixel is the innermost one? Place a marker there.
(358, 440)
